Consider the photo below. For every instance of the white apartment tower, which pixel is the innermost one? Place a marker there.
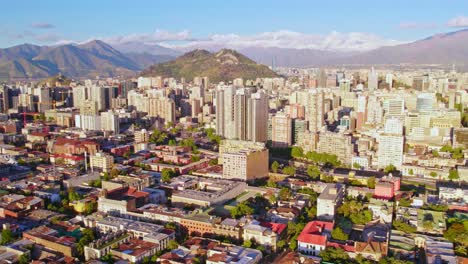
(241, 114)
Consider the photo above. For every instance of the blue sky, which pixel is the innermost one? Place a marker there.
(49, 22)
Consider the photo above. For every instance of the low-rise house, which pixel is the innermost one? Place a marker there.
(230, 254)
(283, 214)
(381, 210)
(17, 206)
(437, 249)
(51, 239)
(265, 233)
(453, 194)
(101, 247)
(204, 192)
(135, 250)
(313, 238)
(329, 200)
(121, 200)
(371, 249)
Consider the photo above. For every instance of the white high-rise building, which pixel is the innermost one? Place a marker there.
(110, 121)
(393, 126)
(314, 109)
(389, 80)
(394, 106)
(373, 80)
(241, 114)
(425, 102)
(390, 150)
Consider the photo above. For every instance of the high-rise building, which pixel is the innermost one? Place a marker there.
(425, 102)
(97, 94)
(225, 111)
(281, 131)
(394, 106)
(373, 80)
(314, 109)
(162, 107)
(245, 164)
(258, 117)
(393, 126)
(80, 95)
(299, 128)
(389, 80)
(44, 101)
(337, 144)
(102, 161)
(390, 150)
(110, 121)
(141, 136)
(241, 114)
(322, 78)
(374, 111)
(345, 85)
(88, 107)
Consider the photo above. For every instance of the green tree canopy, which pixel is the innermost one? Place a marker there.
(313, 172)
(289, 170)
(338, 234)
(275, 166)
(285, 194)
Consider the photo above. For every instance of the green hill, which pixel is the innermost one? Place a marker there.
(224, 65)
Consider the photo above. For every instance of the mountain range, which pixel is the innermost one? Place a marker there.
(96, 58)
(224, 65)
(91, 59)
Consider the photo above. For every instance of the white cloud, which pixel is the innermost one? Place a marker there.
(151, 38)
(416, 25)
(184, 41)
(334, 41)
(459, 21)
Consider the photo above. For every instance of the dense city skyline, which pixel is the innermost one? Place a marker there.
(240, 132)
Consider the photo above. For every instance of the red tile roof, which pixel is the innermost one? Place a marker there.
(275, 227)
(312, 233)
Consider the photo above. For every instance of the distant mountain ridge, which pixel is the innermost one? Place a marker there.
(447, 48)
(224, 65)
(97, 58)
(91, 59)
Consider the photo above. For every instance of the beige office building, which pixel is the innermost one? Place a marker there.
(281, 131)
(102, 161)
(246, 164)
